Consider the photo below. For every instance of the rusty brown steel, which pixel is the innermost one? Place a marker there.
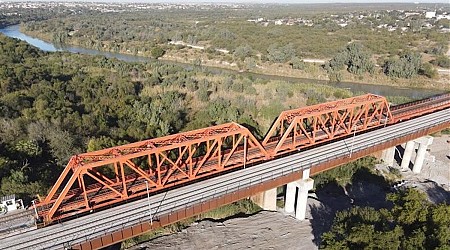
(162, 162)
(110, 176)
(310, 125)
(205, 206)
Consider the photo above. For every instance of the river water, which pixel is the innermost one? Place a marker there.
(415, 93)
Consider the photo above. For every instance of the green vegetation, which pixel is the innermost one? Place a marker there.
(412, 223)
(406, 66)
(442, 61)
(355, 57)
(269, 40)
(55, 105)
(344, 174)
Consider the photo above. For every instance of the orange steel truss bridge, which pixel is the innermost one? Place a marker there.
(111, 176)
(195, 171)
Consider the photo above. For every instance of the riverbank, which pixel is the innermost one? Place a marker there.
(311, 70)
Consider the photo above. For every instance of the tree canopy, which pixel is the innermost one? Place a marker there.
(55, 105)
(412, 223)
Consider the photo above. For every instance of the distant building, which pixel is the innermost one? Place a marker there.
(438, 17)
(279, 22)
(430, 14)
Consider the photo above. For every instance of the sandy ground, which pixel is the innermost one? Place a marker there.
(277, 230)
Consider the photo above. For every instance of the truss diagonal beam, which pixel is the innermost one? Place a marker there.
(161, 162)
(314, 124)
(169, 161)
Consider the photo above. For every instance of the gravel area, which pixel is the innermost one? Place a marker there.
(277, 230)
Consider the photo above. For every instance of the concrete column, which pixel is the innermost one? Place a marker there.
(302, 197)
(304, 185)
(420, 157)
(409, 148)
(267, 200)
(305, 174)
(289, 202)
(388, 156)
(270, 200)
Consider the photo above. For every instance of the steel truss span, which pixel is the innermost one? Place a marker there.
(111, 176)
(165, 206)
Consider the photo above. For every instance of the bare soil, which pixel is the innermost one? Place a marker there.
(277, 230)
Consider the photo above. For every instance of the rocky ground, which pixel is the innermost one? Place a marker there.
(277, 230)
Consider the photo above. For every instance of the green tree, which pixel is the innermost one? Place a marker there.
(157, 52)
(412, 223)
(297, 63)
(280, 54)
(242, 52)
(355, 57)
(406, 66)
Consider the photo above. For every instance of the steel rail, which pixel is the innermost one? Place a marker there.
(73, 201)
(309, 154)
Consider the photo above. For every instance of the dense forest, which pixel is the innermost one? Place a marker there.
(54, 105)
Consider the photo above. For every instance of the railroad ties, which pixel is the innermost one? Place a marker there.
(111, 176)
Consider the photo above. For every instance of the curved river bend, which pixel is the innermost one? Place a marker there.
(14, 32)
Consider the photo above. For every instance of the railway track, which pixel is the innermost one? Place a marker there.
(97, 193)
(94, 225)
(417, 108)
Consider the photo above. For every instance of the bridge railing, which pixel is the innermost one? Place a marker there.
(162, 163)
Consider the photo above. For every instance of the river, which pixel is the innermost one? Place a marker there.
(415, 93)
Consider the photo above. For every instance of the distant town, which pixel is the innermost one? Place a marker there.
(391, 20)
(118, 7)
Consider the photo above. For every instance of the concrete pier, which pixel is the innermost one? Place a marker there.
(267, 200)
(291, 192)
(424, 142)
(300, 196)
(388, 156)
(407, 154)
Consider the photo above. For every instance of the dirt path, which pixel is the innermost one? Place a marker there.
(265, 230)
(277, 230)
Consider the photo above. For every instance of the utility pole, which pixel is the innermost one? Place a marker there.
(353, 140)
(245, 150)
(149, 206)
(35, 210)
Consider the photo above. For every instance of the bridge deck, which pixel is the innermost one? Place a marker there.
(105, 223)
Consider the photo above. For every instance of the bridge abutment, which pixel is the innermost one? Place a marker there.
(300, 196)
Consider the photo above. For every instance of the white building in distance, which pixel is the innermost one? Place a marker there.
(430, 14)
